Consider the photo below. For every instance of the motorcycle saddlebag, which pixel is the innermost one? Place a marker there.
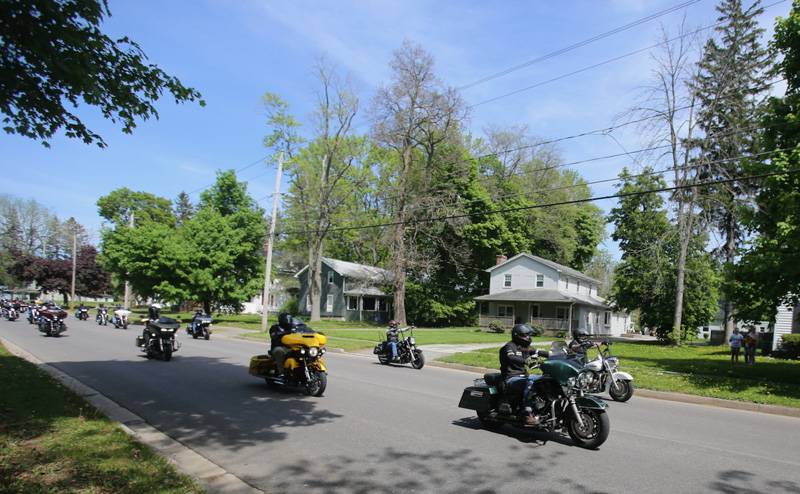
(478, 398)
(379, 348)
(260, 365)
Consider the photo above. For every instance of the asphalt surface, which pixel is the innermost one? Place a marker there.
(395, 429)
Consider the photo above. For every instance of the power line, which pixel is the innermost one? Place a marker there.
(579, 44)
(238, 170)
(559, 203)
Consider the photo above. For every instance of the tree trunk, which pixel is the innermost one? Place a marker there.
(316, 282)
(399, 260)
(207, 306)
(730, 254)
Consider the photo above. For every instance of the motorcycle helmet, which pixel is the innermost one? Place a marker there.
(521, 334)
(580, 334)
(154, 311)
(285, 321)
(393, 324)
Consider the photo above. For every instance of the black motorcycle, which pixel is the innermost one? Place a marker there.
(10, 313)
(51, 321)
(200, 327)
(102, 316)
(82, 314)
(33, 314)
(158, 338)
(407, 351)
(559, 401)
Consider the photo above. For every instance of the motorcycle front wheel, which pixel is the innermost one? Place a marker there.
(594, 431)
(317, 384)
(206, 334)
(419, 360)
(621, 390)
(167, 353)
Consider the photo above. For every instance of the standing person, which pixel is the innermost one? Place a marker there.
(736, 345)
(750, 346)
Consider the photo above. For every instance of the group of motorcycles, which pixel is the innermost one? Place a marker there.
(49, 318)
(564, 397)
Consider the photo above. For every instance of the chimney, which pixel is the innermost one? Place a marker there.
(500, 259)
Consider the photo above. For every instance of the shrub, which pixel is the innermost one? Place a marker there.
(291, 306)
(790, 345)
(496, 327)
(537, 330)
(561, 334)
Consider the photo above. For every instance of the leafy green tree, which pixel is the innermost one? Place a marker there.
(183, 208)
(118, 206)
(55, 57)
(768, 274)
(731, 79)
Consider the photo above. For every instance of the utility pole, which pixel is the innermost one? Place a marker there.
(74, 265)
(270, 238)
(125, 304)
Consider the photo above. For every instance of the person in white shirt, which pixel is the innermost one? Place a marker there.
(736, 345)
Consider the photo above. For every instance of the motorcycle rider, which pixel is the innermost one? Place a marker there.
(153, 314)
(198, 313)
(277, 349)
(392, 337)
(579, 339)
(513, 356)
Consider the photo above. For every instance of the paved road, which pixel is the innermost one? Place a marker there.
(394, 429)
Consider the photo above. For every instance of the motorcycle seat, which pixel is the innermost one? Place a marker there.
(493, 378)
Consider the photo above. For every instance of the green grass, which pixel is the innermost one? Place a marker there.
(699, 370)
(353, 339)
(51, 441)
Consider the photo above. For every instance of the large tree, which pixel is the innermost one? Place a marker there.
(729, 84)
(55, 58)
(768, 273)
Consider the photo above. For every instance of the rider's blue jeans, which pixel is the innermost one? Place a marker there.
(393, 346)
(528, 386)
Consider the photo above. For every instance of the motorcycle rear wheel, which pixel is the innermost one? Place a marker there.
(594, 432)
(316, 386)
(621, 391)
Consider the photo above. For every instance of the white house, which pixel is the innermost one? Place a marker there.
(530, 289)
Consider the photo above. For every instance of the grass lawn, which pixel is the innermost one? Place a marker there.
(698, 370)
(51, 441)
(352, 339)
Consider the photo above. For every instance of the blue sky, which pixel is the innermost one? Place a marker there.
(234, 51)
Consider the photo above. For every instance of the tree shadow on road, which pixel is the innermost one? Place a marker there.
(740, 482)
(224, 406)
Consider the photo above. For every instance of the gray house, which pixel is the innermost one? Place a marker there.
(349, 291)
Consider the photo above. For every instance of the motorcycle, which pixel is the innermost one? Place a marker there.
(120, 319)
(304, 365)
(601, 374)
(158, 338)
(407, 351)
(82, 314)
(200, 326)
(33, 314)
(10, 313)
(51, 321)
(559, 401)
(102, 316)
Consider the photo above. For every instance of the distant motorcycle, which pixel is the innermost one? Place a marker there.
(599, 375)
(10, 313)
(407, 351)
(200, 326)
(51, 321)
(102, 316)
(158, 338)
(120, 319)
(33, 314)
(82, 314)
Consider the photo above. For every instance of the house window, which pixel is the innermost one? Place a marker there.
(607, 318)
(383, 305)
(535, 311)
(329, 304)
(484, 308)
(368, 304)
(562, 312)
(507, 281)
(352, 303)
(505, 311)
(330, 277)
(539, 280)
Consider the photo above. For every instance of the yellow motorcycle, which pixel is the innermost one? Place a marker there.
(304, 365)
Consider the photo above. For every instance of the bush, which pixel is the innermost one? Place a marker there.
(561, 334)
(790, 346)
(291, 306)
(496, 327)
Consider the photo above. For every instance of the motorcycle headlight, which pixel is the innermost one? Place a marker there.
(313, 351)
(584, 380)
(412, 340)
(302, 351)
(571, 382)
(322, 351)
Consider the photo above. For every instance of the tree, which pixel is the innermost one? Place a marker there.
(183, 209)
(51, 275)
(413, 115)
(55, 56)
(91, 279)
(768, 274)
(118, 206)
(730, 81)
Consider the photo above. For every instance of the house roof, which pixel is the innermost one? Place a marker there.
(558, 267)
(543, 295)
(355, 271)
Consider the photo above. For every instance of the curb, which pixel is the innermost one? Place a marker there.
(667, 395)
(211, 477)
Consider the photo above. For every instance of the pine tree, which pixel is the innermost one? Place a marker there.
(184, 210)
(731, 78)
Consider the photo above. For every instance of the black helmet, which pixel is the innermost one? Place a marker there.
(285, 321)
(521, 334)
(580, 334)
